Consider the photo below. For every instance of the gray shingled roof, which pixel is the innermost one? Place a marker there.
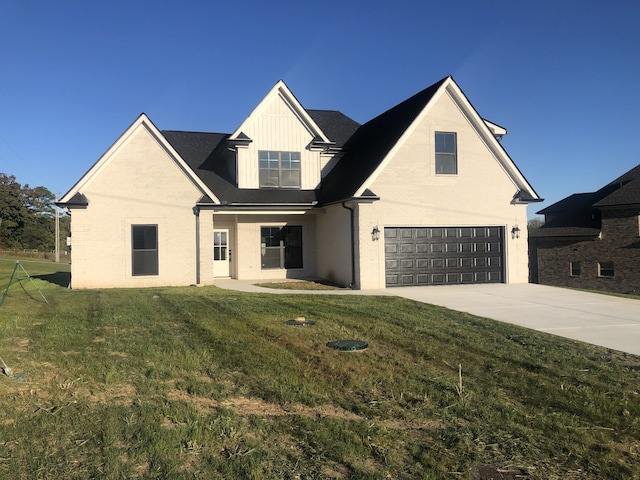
(335, 125)
(365, 146)
(208, 155)
(627, 190)
(579, 214)
(210, 159)
(369, 145)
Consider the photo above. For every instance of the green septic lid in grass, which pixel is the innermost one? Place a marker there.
(299, 322)
(348, 345)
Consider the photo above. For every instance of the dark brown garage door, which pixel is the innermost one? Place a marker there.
(443, 255)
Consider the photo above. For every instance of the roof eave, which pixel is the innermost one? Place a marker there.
(261, 206)
(367, 199)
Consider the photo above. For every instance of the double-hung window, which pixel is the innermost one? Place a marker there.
(144, 250)
(446, 153)
(281, 247)
(279, 169)
(575, 269)
(606, 269)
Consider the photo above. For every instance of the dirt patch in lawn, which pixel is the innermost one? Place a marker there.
(255, 406)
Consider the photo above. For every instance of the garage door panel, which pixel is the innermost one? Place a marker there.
(407, 279)
(494, 261)
(407, 263)
(443, 255)
(422, 263)
(467, 277)
(392, 280)
(480, 261)
(494, 277)
(407, 248)
(466, 247)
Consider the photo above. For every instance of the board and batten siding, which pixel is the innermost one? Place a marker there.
(278, 128)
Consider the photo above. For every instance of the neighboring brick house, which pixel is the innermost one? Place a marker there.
(591, 240)
(423, 194)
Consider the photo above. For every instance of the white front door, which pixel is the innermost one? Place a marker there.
(221, 253)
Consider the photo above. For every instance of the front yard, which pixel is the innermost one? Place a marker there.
(206, 383)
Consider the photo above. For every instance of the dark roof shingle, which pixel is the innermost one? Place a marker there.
(579, 214)
(369, 145)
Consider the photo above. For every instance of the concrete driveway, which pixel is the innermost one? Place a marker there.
(604, 320)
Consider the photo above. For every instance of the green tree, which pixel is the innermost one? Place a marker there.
(39, 226)
(13, 212)
(27, 216)
(39, 200)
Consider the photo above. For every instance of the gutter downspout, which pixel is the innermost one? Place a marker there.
(353, 245)
(196, 212)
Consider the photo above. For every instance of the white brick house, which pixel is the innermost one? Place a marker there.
(423, 194)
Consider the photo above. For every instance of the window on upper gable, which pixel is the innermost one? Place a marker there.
(446, 153)
(279, 169)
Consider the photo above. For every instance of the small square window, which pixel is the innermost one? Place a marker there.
(575, 269)
(606, 269)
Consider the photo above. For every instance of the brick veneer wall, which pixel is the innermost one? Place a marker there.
(619, 243)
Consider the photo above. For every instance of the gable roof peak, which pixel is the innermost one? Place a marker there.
(280, 90)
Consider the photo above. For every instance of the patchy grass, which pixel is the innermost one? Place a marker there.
(300, 285)
(208, 383)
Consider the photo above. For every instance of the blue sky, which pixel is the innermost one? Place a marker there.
(562, 76)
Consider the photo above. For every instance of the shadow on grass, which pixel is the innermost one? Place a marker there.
(58, 278)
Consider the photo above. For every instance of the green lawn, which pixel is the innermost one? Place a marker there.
(207, 383)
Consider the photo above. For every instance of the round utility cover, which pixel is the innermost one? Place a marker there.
(348, 345)
(299, 322)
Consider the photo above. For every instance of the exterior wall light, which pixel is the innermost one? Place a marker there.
(375, 234)
(515, 231)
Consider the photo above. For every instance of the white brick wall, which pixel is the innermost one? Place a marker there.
(413, 195)
(139, 184)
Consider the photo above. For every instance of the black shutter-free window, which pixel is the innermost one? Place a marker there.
(144, 241)
(281, 247)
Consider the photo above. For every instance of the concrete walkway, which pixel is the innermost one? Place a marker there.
(605, 320)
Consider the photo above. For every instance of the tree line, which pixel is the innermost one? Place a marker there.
(27, 217)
